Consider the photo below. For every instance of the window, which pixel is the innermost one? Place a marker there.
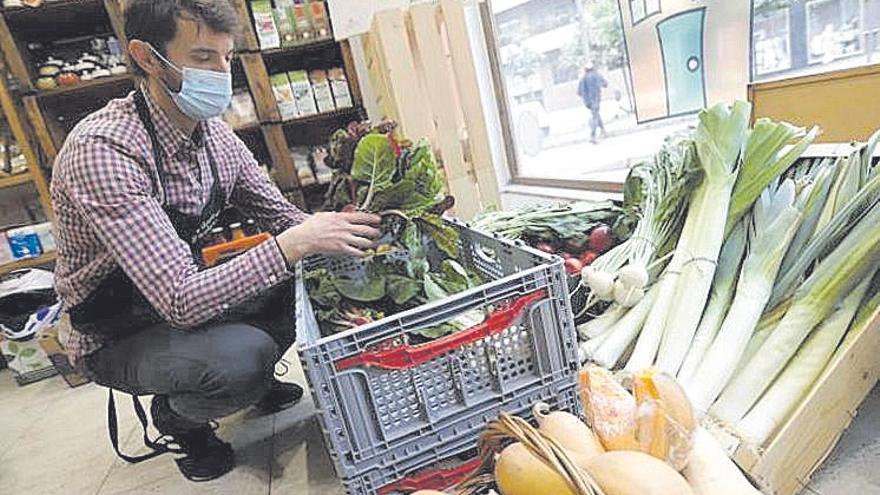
(798, 37)
(772, 40)
(834, 29)
(569, 126)
(642, 9)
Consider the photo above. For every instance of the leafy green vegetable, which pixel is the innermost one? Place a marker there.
(402, 289)
(444, 236)
(369, 289)
(374, 163)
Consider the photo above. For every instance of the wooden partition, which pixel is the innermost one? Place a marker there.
(422, 70)
(846, 103)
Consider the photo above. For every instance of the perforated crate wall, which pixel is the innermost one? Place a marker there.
(370, 414)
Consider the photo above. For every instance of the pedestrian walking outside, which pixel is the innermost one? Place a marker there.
(590, 91)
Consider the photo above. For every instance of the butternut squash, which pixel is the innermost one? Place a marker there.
(568, 430)
(635, 473)
(610, 409)
(519, 472)
(665, 416)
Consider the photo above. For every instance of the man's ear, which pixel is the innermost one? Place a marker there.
(143, 56)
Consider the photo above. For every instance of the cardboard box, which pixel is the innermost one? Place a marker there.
(302, 91)
(285, 97)
(321, 87)
(264, 24)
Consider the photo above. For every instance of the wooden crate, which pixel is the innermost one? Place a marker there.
(785, 464)
(422, 70)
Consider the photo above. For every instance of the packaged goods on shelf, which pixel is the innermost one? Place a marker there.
(5, 250)
(320, 20)
(264, 23)
(323, 173)
(302, 23)
(321, 87)
(285, 97)
(285, 24)
(24, 242)
(302, 91)
(46, 237)
(339, 86)
(70, 62)
(242, 112)
(300, 156)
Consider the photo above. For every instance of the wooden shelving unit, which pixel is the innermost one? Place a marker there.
(52, 113)
(45, 259)
(15, 180)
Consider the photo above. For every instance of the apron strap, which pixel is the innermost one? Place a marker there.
(113, 430)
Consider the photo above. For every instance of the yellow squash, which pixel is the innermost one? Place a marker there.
(635, 473)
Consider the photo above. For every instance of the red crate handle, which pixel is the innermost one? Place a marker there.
(407, 356)
(432, 480)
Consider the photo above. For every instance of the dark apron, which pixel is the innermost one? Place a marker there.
(117, 308)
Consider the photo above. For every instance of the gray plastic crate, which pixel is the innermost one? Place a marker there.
(443, 465)
(370, 414)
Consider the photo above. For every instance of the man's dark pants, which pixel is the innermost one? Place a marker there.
(207, 373)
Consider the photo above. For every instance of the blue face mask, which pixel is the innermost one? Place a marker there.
(204, 94)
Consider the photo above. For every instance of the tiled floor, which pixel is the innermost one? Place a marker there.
(53, 441)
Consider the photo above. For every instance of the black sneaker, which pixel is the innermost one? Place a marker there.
(279, 397)
(206, 456)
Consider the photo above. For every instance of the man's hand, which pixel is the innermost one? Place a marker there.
(347, 234)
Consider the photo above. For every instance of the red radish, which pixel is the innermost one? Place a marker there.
(588, 258)
(573, 266)
(600, 239)
(544, 247)
(566, 256)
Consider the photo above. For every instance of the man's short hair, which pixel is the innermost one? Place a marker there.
(155, 21)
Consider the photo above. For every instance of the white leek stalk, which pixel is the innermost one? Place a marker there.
(814, 196)
(766, 157)
(625, 332)
(800, 374)
(597, 326)
(722, 294)
(826, 239)
(838, 274)
(776, 219)
(720, 138)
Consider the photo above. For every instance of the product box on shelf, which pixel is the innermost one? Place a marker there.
(264, 24)
(383, 397)
(284, 96)
(320, 19)
(302, 91)
(302, 23)
(285, 25)
(5, 250)
(46, 237)
(340, 88)
(24, 243)
(242, 112)
(321, 87)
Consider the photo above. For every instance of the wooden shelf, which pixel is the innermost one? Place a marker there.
(297, 49)
(248, 128)
(15, 180)
(326, 116)
(87, 86)
(28, 263)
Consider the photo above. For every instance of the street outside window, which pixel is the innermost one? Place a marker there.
(592, 87)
